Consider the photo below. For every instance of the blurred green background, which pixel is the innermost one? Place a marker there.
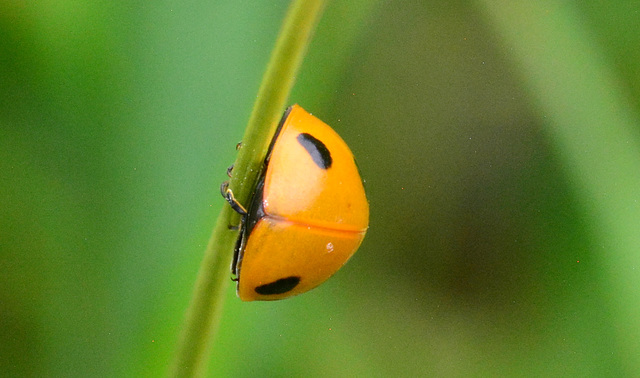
(498, 141)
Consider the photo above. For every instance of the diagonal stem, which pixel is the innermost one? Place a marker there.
(205, 310)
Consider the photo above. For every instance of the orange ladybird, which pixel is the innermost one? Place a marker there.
(308, 213)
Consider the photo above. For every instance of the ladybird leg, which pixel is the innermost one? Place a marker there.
(228, 195)
(230, 170)
(235, 276)
(236, 256)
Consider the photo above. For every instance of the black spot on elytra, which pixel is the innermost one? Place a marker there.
(280, 286)
(316, 149)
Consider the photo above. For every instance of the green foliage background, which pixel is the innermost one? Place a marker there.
(498, 142)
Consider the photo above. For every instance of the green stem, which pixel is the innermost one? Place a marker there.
(205, 310)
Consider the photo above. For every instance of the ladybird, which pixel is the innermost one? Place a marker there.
(307, 216)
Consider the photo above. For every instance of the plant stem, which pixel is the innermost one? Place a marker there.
(205, 310)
